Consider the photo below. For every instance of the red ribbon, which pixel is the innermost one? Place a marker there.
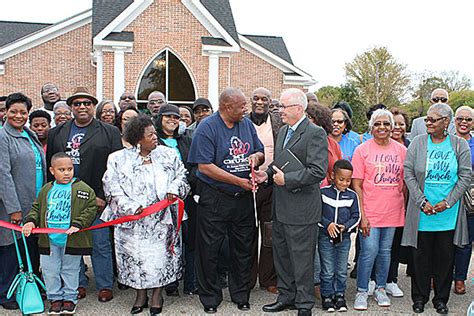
(152, 209)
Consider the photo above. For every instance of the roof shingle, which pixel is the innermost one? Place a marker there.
(105, 11)
(222, 12)
(12, 31)
(274, 44)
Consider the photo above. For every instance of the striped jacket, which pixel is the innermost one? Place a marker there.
(341, 207)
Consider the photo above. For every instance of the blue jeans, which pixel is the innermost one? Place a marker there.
(101, 260)
(333, 264)
(462, 256)
(374, 248)
(60, 274)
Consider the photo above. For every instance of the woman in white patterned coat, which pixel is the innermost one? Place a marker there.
(136, 178)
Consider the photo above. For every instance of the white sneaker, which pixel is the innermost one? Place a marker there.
(381, 298)
(371, 290)
(360, 302)
(394, 290)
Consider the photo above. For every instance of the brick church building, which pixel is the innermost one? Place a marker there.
(184, 48)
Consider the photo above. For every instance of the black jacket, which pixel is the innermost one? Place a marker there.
(101, 140)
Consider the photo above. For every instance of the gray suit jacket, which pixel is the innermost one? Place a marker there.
(17, 175)
(298, 202)
(414, 174)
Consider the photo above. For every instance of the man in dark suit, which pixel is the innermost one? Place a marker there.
(89, 142)
(296, 204)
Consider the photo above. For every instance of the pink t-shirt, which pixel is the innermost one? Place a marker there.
(381, 168)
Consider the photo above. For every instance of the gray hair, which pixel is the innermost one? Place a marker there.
(61, 104)
(296, 96)
(378, 114)
(465, 108)
(442, 109)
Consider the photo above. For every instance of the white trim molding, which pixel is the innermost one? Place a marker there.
(46, 34)
(121, 21)
(210, 23)
(119, 73)
(99, 59)
(213, 85)
(297, 77)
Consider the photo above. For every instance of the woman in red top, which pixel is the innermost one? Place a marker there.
(321, 116)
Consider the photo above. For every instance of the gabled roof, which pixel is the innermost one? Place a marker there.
(274, 44)
(222, 12)
(105, 11)
(120, 37)
(12, 31)
(206, 40)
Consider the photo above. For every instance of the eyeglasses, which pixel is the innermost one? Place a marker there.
(459, 119)
(153, 102)
(433, 120)
(171, 117)
(202, 111)
(340, 122)
(282, 106)
(125, 97)
(66, 114)
(51, 89)
(385, 124)
(437, 99)
(78, 104)
(107, 112)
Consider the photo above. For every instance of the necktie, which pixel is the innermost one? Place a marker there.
(288, 136)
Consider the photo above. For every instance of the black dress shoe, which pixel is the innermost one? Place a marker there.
(172, 292)
(139, 309)
(441, 308)
(210, 309)
(418, 307)
(155, 310)
(122, 287)
(10, 306)
(304, 312)
(277, 307)
(243, 306)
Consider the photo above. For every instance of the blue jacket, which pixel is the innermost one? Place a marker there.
(339, 207)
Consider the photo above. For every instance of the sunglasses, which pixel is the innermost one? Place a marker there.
(153, 102)
(459, 119)
(433, 120)
(130, 97)
(78, 104)
(385, 124)
(437, 99)
(340, 122)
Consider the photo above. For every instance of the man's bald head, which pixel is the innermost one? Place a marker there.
(229, 95)
(262, 91)
(260, 101)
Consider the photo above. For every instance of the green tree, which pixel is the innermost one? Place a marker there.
(378, 77)
(459, 98)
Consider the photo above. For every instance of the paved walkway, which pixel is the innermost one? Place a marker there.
(190, 305)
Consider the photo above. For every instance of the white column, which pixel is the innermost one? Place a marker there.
(119, 74)
(99, 75)
(213, 88)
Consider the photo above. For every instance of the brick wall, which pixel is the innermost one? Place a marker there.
(64, 60)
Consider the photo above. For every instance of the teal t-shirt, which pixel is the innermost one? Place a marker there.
(173, 143)
(59, 211)
(38, 163)
(440, 178)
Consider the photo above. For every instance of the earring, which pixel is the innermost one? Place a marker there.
(445, 132)
(139, 148)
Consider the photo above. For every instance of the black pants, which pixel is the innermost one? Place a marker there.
(263, 265)
(219, 214)
(434, 258)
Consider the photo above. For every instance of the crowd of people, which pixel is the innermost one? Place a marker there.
(272, 191)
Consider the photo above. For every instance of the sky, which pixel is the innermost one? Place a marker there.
(322, 36)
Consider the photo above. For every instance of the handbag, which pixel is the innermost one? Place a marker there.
(25, 285)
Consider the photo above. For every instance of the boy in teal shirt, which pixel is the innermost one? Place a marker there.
(70, 204)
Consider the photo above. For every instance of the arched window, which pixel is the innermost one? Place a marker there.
(166, 73)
